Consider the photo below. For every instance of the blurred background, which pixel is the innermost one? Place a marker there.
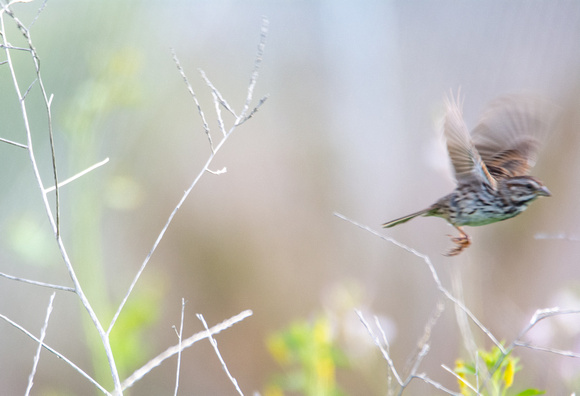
(352, 125)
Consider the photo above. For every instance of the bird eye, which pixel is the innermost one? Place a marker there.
(529, 186)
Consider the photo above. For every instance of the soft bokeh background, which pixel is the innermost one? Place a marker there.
(352, 125)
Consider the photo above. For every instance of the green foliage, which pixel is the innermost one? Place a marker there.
(128, 342)
(308, 354)
(502, 369)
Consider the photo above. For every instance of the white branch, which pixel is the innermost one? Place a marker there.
(213, 343)
(180, 337)
(140, 373)
(53, 351)
(82, 173)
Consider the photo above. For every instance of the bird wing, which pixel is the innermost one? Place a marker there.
(465, 158)
(510, 132)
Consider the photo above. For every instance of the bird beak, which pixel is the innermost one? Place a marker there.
(544, 192)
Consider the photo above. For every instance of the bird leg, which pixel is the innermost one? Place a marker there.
(462, 242)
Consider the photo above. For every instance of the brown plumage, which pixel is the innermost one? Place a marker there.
(491, 164)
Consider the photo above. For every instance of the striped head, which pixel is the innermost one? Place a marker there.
(522, 190)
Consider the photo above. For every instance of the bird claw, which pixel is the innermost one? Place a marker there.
(462, 241)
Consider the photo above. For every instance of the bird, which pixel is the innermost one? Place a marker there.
(491, 164)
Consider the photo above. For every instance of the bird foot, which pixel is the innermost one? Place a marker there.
(462, 241)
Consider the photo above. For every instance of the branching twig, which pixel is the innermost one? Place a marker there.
(54, 219)
(539, 315)
(40, 342)
(382, 348)
(140, 373)
(181, 201)
(82, 173)
(213, 343)
(217, 94)
(438, 283)
(53, 213)
(192, 92)
(418, 359)
(53, 351)
(46, 99)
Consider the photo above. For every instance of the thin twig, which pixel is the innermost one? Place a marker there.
(179, 337)
(47, 102)
(434, 275)
(192, 92)
(178, 206)
(387, 349)
(217, 93)
(38, 14)
(538, 316)
(36, 283)
(14, 143)
(381, 347)
(254, 110)
(254, 77)
(56, 353)
(80, 174)
(213, 343)
(424, 351)
(40, 342)
(218, 111)
(29, 88)
(9, 47)
(460, 378)
(54, 220)
(436, 385)
(156, 361)
(551, 350)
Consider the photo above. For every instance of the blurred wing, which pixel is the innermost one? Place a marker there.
(510, 134)
(465, 158)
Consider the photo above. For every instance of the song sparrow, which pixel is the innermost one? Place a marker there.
(491, 165)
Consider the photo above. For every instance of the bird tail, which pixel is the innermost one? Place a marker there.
(404, 219)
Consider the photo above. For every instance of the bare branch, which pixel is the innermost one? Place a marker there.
(53, 218)
(257, 64)
(213, 343)
(217, 94)
(53, 351)
(438, 283)
(14, 143)
(551, 350)
(436, 385)
(82, 173)
(179, 336)
(41, 341)
(218, 111)
(383, 350)
(181, 201)
(190, 89)
(254, 110)
(36, 283)
(140, 373)
(459, 378)
(218, 172)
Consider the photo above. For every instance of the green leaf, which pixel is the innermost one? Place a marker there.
(531, 392)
